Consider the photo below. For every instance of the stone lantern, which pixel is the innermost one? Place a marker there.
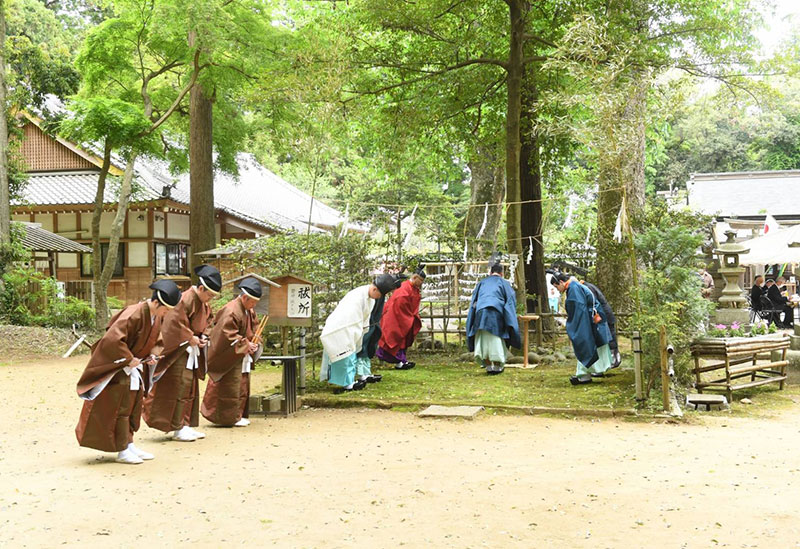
(733, 305)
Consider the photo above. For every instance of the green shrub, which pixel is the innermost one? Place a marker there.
(29, 298)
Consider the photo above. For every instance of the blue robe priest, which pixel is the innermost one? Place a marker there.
(587, 328)
(492, 321)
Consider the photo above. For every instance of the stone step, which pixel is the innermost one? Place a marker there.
(797, 329)
(706, 402)
(468, 412)
(793, 369)
(794, 342)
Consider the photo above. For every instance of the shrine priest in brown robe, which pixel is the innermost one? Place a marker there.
(173, 404)
(118, 374)
(230, 358)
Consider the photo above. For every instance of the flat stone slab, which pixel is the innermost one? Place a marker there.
(706, 402)
(468, 412)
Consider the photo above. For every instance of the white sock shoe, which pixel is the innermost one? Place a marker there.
(141, 454)
(363, 378)
(197, 433)
(244, 422)
(128, 457)
(184, 434)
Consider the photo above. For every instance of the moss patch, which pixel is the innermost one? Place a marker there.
(443, 379)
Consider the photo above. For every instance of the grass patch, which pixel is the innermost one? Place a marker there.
(443, 379)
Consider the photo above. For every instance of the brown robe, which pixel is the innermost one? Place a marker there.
(228, 392)
(108, 421)
(173, 401)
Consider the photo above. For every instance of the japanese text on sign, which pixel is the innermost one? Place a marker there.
(299, 302)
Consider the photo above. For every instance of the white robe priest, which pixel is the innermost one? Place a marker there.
(344, 330)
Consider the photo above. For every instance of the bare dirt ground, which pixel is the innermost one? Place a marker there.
(345, 478)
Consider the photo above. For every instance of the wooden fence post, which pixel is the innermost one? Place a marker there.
(637, 364)
(662, 344)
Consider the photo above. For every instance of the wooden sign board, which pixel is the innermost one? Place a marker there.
(290, 305)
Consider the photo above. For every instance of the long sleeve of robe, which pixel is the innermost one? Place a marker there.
(585, 335)
(369, 343)
(493, 308)
(227, 393)
(401, 323)
(173, 401)
(111, 409)
(345, 326)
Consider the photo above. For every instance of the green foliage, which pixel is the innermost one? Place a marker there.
(118, 123)
(14, 251)
(669, 286)
(334, 265)
(29, 298)
(39, 54)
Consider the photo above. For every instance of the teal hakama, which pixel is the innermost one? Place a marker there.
(603, 363)
(342, 372)
(363, 366)
(489, 347)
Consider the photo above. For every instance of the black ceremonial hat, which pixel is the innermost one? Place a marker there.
(385, 283)
(167, 292)
(209, 277)
(421, 271)
(251, 287)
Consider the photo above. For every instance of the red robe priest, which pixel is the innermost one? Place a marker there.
(400, 322)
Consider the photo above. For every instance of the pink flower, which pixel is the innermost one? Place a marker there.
(735, 326)
(720, 326)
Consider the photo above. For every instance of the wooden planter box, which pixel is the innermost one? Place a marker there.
(738, 357)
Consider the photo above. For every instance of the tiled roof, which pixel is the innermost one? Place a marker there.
(49, 188)
(37, 239)
(745, 193)
(260, 196)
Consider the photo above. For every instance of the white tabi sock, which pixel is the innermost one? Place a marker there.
(364, 378)
(140, 453)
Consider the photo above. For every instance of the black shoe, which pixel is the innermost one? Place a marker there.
(598, 375)
(405, 365)
(580, 380)
(374, 378)
(358, 385)
(340, 390)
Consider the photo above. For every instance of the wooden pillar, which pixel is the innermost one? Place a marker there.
(664, 366)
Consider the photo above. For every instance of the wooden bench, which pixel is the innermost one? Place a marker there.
(738, 358)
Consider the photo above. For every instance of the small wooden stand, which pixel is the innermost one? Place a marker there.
(739, 358)
(525, 321)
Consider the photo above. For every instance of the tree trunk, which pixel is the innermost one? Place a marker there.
(622, 174)
(516, 10)
(100, 290)
(531, 195)
(486, 187)
(5, 207)
(202, 235)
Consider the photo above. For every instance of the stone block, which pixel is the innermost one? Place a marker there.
(797, 329)
(467, 412)
(793, 369)
(706, 402)
(256, 403)
(273, 403)
(794, 343)
(729, 316)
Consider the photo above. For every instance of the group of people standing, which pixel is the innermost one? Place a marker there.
(150, 360)
(492, 324)
(771, 296)
(365, 324)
